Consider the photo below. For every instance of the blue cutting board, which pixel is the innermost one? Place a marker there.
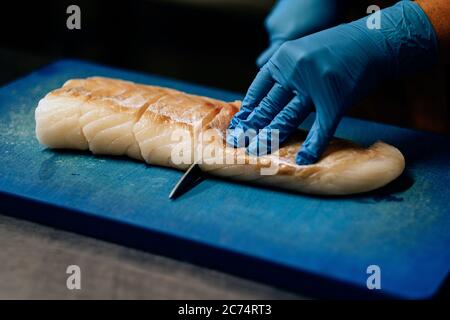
(315, 245)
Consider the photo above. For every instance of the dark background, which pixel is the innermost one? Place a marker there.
(214, 43)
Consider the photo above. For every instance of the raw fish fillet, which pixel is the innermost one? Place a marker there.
(170, 128)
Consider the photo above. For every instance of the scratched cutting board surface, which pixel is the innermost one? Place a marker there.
(317, 244)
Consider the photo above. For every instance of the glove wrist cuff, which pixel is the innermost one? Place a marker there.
(409, 38)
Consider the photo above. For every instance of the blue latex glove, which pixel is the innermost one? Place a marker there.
(292, 19)
(331, 70)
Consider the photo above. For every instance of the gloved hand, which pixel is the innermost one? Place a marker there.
(331, 70)
(292, 19)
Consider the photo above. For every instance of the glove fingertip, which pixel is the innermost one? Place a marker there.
(262, 60)
(304, 158)
(267, 54)
(234, 122)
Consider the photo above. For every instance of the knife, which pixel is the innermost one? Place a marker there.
(188, 181)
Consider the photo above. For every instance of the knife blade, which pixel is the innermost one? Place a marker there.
(187, 181)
